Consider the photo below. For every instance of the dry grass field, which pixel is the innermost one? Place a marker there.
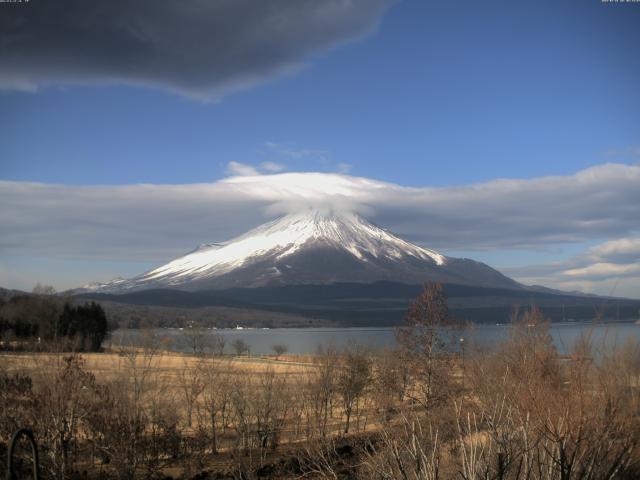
(169, 364)
(165, 373)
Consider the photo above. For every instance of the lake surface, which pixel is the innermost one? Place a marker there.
(307, 340)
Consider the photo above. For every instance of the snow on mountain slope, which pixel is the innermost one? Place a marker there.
(287, 235)
(309, 247)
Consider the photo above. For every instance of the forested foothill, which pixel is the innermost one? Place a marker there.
(44, 321)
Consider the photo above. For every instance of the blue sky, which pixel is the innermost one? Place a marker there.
(429, 94)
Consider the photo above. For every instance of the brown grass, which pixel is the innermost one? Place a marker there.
(167, 364)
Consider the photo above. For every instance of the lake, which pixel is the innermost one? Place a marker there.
(307, 340)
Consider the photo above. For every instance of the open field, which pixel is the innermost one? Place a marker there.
(169, 364)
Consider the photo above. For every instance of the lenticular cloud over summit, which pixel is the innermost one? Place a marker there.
(158, 222)
(298, 192)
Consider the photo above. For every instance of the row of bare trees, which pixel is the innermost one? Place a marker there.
(140, 415)
(199, 341)
(546, 417)
(515, 411)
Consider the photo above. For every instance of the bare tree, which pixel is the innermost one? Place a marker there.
(280, 349)
(191, 386)
(17, 402)
(240, 346)
(536, 417)
(353, 377)
(64, 400)
(240, 391)
(422, 344)
(322, 385)
(196, 338)
(270, 408)
(216, 344)
(410, 450)
(121, 425)
(214, 408)
(391, 379)
(320, 459)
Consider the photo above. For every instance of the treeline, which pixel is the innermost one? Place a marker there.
(130, 316)
(45, 321)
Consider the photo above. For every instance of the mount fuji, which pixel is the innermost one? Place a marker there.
(310, 248)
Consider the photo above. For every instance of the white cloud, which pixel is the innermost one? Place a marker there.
(603, 270)
(158, 222)
(242, 169)
(246, 170)
(625, 249)
(612, 267)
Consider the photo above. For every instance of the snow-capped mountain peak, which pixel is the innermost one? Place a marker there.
(312, 247)
(97, 286)
(287, 235)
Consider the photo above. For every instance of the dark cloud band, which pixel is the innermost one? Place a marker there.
(199, 48)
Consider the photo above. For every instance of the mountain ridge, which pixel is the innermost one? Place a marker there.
(312, 247)
(378, 303)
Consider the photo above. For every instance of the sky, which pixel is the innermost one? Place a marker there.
(507, 132)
